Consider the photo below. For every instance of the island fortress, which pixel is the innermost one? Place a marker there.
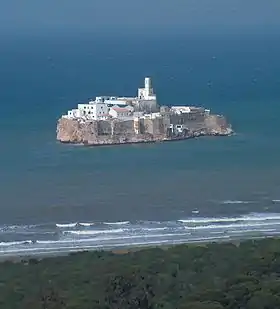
(121, 120)
(106, 107)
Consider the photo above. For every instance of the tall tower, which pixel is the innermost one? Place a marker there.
(148, 86)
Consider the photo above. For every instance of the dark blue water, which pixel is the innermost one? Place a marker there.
(43, 183)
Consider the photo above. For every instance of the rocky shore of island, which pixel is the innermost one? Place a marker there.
(109, 132)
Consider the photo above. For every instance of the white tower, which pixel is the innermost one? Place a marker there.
(148, 86)
(147, 93)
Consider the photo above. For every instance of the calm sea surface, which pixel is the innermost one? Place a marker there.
(55, 196)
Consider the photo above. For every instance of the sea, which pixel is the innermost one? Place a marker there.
(62, 198)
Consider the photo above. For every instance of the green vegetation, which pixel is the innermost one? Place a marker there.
(213, 276)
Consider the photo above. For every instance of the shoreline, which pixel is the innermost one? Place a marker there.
(155, 141)
(122, 249)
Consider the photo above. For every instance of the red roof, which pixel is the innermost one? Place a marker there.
(120, 109)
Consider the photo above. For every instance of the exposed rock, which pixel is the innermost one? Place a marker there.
(217, 125)
(73, 131)
(109, 132)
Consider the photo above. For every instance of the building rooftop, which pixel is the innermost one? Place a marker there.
(121, 109)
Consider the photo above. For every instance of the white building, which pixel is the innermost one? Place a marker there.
(147, 93)
(189, 109)
(112, 106)
(93, 110)
(112, 100)
(181, 109)
(73, 113)
(152, 116)
(121, 112)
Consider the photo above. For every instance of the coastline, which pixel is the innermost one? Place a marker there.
(100, 133)
(166, 140)
(123, 249)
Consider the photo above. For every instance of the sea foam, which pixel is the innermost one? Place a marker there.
(66, 225)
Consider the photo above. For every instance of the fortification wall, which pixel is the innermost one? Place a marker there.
(104, 127)
(115, 127)
(187, 118)
(117, 132)
(124, 127)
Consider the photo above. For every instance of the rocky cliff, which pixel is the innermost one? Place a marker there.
(217, 125)
(123, 132)
(73, 131)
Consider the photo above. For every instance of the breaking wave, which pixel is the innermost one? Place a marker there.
(66, 225)
(68, 237)
(79, 232)
(86, 224)
(117, 223)
(236, 202)
(251, 217)
(15, 243)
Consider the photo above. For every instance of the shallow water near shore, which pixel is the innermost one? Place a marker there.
(55, 196)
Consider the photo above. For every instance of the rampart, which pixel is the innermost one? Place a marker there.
(168, 126)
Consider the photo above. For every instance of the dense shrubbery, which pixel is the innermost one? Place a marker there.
(215, 276)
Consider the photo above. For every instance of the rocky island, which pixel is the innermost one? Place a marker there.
(111, 120)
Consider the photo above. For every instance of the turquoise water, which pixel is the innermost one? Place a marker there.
(43, 183)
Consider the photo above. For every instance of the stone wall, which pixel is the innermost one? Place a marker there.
(115, 131)
(188, 119)
(104, 127)
(115, 127)
(124, 127)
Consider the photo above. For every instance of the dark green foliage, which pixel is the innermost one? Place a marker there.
(214, 276)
